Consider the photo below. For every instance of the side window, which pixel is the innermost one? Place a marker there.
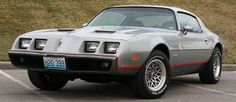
(185, 19)
(164, 22)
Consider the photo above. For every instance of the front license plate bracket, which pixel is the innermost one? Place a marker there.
(55, 63)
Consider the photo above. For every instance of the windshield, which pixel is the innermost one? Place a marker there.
(138, 17)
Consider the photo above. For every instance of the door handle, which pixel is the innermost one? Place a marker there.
(206, 41)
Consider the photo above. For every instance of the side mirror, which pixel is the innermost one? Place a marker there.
(187, 29)
(85, 24)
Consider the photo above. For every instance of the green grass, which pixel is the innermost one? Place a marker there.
(21, 16)
(3, 54)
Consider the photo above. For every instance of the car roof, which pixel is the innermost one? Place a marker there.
(176, 9)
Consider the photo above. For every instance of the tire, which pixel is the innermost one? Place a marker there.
(211, 73)
(47, 81)
(145, 83)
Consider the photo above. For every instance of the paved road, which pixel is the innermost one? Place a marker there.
(8, 65)
(15, 87)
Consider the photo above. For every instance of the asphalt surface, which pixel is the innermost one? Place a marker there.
(16, 87)
(8, 65)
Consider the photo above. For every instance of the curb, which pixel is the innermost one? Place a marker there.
(229, 67)
(9, 66)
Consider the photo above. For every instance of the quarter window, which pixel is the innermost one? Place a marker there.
(185, 19)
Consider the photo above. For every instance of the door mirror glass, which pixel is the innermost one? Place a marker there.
(187, 29)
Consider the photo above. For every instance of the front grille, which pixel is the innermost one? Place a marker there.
(73, 64)
(27, 60)
(85, 64)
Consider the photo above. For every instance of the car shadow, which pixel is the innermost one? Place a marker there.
(81, 90)
(193, 79)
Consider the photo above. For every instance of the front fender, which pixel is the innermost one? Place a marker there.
(139, 47)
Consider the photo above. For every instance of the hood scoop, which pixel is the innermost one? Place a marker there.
(105, 31)
(65, 29)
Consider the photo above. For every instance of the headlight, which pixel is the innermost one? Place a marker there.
(111, 47)
(40, 44)
(91, 46)
(24, 43)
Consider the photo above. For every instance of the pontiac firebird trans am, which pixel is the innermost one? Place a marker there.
(142, 46)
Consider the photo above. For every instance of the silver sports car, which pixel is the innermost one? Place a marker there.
(142, 46)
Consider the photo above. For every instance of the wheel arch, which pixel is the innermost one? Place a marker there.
(162, 47)
(219, 45)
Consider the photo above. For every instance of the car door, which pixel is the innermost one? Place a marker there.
(194, 44)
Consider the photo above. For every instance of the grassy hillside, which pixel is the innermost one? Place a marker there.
(20, 16)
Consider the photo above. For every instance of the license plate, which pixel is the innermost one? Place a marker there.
(57, 63)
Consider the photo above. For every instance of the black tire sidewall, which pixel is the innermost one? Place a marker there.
(216, 51)
(161, 56)
(39, 80)
(207, 73)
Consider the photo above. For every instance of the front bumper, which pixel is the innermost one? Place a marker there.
(75, 63)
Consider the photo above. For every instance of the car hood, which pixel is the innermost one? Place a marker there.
(122, 33)
(100, 32)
